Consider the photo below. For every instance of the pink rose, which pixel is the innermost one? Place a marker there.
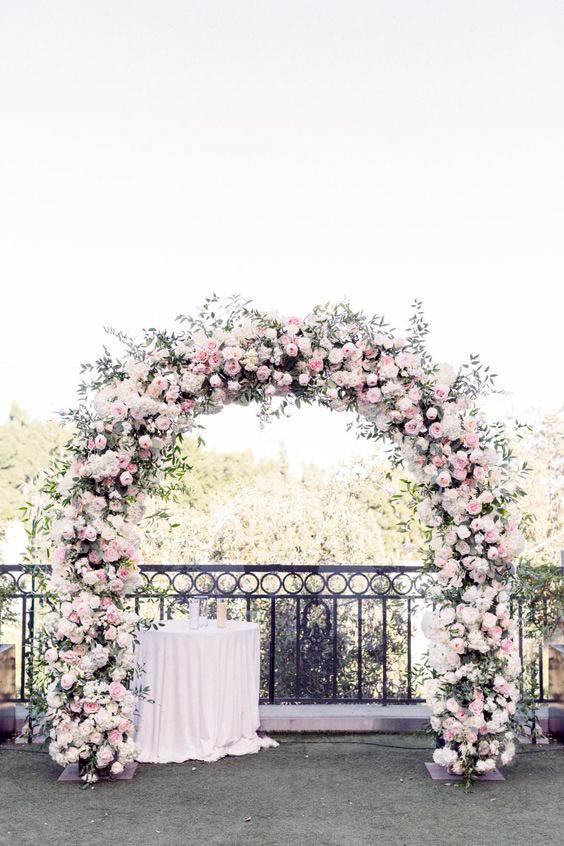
(145, 442)
(90, 533)
(115, 737)
(105, 756)
(118, 410)
(126, 478)
(117, 690)
(373, 395)
(67, 680)
(232, 367)
(480, 474)
(51, 655)
(315, 364)
(303, 379)
(457, 645)
(100, 442)
(435, 430)
(292, 350)
(113, 616)
(112, 551)
(90, 706)
(216, 381)
(263, 372)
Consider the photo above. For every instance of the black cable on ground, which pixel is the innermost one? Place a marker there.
(534, 750)
(407, 748)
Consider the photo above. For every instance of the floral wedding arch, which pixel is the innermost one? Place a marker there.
(126, 443)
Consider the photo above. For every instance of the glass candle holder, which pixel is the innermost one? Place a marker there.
(194, 613)
(203, 613)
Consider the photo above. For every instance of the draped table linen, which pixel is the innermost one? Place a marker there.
(203, 698)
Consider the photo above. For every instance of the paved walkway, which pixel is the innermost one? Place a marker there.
(311, 791)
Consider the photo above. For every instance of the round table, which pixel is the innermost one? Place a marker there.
(204, 687)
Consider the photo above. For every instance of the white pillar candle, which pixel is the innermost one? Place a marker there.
(221, 613)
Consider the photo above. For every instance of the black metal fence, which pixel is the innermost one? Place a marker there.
(329, 633)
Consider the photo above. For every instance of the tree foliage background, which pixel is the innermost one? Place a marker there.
(235, 508)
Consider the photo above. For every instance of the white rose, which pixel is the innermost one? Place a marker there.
(335, 355)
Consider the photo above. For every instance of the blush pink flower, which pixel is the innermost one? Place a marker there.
(100, 442)
(263, 372)
(373, 395)
(68, 680)
(443, 479)
(117, 691)
(232, 367)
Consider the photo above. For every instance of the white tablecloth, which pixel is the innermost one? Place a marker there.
(205, 687)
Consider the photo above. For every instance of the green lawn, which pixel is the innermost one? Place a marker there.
(317, 790)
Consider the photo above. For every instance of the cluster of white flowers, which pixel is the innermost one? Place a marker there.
(339, 362)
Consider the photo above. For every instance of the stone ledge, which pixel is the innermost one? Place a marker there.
(344, 717)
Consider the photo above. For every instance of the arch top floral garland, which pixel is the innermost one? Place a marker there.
(125, 443)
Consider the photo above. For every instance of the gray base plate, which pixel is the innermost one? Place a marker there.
(439, 773)
(70, 773)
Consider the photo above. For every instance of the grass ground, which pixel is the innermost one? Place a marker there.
(314, 790)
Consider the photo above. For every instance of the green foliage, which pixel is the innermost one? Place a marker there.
(7, 613)
(540, 589)
(26, 447)
(258, 512)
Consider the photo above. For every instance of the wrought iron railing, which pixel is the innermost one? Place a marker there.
(329, 633)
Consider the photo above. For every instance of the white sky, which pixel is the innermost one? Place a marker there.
(295, 152)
